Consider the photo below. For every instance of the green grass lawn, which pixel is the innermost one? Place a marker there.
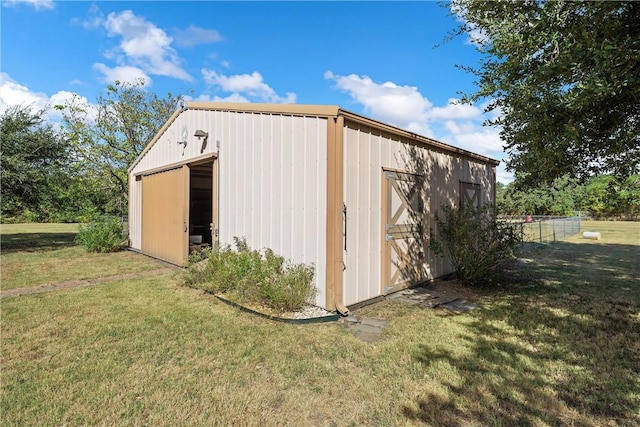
(40, 254)
(558, 345)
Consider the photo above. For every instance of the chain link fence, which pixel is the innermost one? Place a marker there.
(543, 228)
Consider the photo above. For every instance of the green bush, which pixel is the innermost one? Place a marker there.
(104, 234)
(251, 276)
(478, 245)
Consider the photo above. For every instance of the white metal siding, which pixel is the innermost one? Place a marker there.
(273, 174)
(135, 213)
(166, 151)
(273, 185)
(366, 153)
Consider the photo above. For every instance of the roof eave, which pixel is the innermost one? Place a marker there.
(287, 109)
(357, 118)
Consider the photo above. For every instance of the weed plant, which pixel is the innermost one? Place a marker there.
(478, 245)
(251, 276)
(103, 235)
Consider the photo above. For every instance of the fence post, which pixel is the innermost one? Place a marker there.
(540, 230)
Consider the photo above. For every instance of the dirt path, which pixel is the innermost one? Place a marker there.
(77, 283)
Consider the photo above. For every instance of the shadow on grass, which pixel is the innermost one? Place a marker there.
(599, 270)
(36, 242)
(561, 346)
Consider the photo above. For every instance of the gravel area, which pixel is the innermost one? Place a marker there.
(308, 312)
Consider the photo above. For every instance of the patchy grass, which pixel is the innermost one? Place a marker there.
(560, 346)
(39, 254)
(36, 237)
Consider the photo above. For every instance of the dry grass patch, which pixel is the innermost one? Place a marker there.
(145, 352)
(39, 254)
(556, 347)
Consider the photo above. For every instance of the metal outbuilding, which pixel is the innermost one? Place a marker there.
(317, 184)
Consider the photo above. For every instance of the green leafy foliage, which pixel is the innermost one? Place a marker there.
(564, 78)
(562, 197)
(104, 234)
(251, 276)
(33, 159)
(603, 196)
(108, 137)
(43, 178)
(478, 246)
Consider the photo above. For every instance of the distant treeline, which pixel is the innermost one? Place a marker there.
(603, 196)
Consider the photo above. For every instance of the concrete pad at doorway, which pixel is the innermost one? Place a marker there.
(365, 328)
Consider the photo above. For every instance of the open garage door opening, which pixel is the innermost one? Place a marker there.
(202, 227)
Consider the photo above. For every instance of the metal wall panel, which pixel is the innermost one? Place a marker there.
(272, 170)
(366, 152)
(167, 151)
(273, 185)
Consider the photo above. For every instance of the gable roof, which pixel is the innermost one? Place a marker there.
(313, 111)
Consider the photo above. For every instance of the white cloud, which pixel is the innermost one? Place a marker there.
(402, 106)
(121, 73)
(475, 36)
(502, 175)
(455, 110)
(13, 93)
(94, 19)
(64, 97)
(246, 85)
(234, 97)
(405, 107)
(195, 35)
(37, 4)
(144, 45)
(481, 140)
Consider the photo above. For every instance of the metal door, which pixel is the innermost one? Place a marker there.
(165, 215)
(404, 221)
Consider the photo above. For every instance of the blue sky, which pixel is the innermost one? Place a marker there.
(374, 58)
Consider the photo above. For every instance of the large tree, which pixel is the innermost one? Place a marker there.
(33, 158)
(565, 78)
(109, 136)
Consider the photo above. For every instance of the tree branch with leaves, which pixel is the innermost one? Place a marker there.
(565, 77)
(108, 137)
